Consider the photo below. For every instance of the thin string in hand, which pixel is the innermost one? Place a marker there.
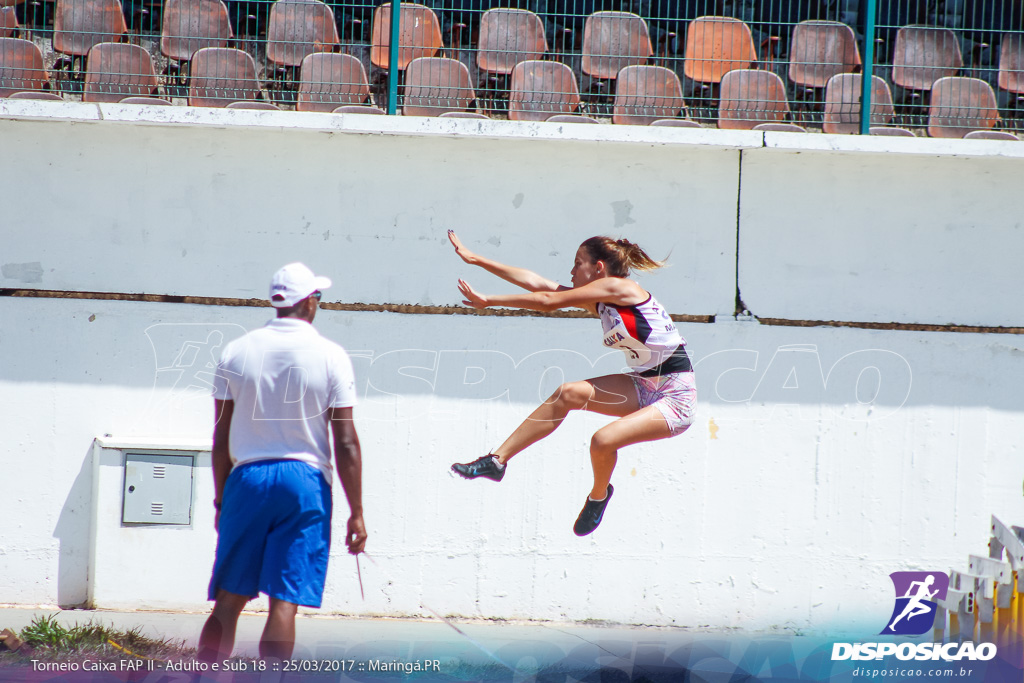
(436, 614)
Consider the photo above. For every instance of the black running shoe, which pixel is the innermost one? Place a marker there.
(481, 467)
(591, 514)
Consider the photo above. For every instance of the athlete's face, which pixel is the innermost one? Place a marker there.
(584, 269)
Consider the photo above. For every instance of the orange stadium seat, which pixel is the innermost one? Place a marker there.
(434, 85)
(221, 75)
(891, 131)
(9, 25)
(80, 24)
(328, 80)
(507, 37)
(675, 123)
(990, 135)
(36, 95)
(644, 94)
(923, 55)
(750, 97)
(715, 46)
(158, 101)
(298, 28)
(842, 103)
(541, 89)
(190, 25)
(613, 41)
(780, 127)
(463, 115)
(118, 70)
(253, 104)
(961, 105)
(419, 34)
(358, 109)
(21, 67)
(1011, 64)
(819, 51)
(571, 118)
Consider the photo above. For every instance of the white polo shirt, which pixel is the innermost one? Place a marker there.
(283, 378)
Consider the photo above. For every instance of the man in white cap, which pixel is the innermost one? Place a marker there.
(276, 391)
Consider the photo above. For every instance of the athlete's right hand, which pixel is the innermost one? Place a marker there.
(473, 298)
(356, 537)
(465, 254)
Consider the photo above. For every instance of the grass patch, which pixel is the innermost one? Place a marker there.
(51, 641)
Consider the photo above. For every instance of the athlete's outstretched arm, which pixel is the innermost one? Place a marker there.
(527, 279)
(610, 290)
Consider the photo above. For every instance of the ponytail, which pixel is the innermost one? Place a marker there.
(620, 256)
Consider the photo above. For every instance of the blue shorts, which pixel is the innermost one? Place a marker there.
(275, 532)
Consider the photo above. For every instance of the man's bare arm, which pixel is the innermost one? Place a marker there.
(348, 459)
(221, 454)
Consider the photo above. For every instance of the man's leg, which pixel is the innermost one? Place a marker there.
(218, 637)
(278, 639)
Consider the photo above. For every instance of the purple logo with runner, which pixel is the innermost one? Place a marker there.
(916, 596)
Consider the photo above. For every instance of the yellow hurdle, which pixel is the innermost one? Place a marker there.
(1008, 543)
(986, 603)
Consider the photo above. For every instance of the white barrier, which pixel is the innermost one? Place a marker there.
(827, 227)
(793, 479)
(810, 444)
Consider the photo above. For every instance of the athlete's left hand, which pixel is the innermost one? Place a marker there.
(472, 298)
(465, 254)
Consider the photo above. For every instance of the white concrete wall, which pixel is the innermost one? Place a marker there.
(807, 478)
(882, 237)
(827, 227)
(206, 210)
(822, 459)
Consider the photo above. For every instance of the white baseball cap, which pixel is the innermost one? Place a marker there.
(293, 283)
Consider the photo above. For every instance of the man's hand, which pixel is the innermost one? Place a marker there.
(356, 538)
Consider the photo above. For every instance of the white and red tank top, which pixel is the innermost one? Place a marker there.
(647, 335)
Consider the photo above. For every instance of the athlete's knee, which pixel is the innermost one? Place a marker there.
(603, 442)
(572, 395)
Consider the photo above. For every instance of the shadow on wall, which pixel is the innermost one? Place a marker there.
(512, 360)
(72, 532)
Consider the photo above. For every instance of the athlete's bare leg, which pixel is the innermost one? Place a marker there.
(613, 395)
(646, 424)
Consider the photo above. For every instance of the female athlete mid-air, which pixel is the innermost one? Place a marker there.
(654, 400)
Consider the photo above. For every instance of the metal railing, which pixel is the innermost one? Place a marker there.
(944, 68)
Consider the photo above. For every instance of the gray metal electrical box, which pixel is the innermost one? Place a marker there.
(157, 488)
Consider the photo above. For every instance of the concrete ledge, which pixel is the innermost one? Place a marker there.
(375, 124)
(47, 109)
(878, 144)
(496, 128)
